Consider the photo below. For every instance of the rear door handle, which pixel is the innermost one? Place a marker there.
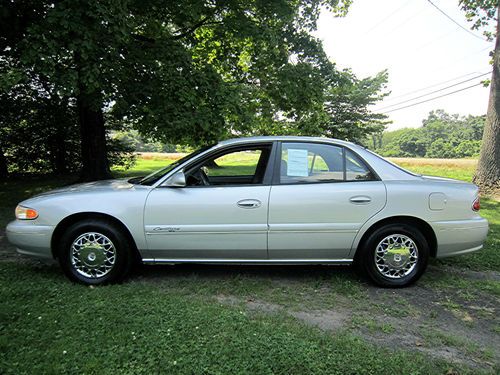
(249, 203)
(360, 199)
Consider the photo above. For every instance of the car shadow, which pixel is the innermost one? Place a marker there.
(211, 271)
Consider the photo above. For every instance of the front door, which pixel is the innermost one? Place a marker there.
(220, 215)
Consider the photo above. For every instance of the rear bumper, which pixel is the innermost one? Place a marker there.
(30, 239)
(459, 236)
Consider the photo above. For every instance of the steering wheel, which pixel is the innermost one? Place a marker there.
(198, 178)
(203, 177)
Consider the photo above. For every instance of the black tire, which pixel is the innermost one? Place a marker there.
(367, 264)
(105, 233)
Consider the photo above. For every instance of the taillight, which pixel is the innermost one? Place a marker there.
(476, 205)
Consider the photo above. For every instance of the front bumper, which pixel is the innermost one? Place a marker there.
(459, 236)
(30, 238)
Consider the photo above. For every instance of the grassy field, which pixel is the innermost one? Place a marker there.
(460, 169)
(250, 320)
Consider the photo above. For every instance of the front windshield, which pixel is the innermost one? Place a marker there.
(157, 175)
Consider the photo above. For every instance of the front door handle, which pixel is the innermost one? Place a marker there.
(249, 203)
(360, 199)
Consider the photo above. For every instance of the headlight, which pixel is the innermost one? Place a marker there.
(25, 213)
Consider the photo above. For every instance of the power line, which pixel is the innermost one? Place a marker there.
(437, 97)
(441, 67)
(455, 22)
(460, 59)
(434, 40)
(429, 87)
(405, 22)
(386, 18)
(435, 91)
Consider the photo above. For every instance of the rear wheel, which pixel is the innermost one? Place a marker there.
(95, 252)
(395, 255)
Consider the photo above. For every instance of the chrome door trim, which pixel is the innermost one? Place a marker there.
(153, 229)
(248, 261)
(314, 227)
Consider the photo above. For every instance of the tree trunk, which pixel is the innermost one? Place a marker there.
(95, 165)
(487, 175)
(59, 144)
(4, 172)
(60, 163)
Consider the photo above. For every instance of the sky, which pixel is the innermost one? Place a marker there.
(419, 47)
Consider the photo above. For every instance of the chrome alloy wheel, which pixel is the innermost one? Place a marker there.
(93, 255)
(396, 256)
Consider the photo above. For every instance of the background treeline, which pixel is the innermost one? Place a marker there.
(442, 135)
(132, 139)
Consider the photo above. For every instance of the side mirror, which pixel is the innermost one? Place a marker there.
(176, 180)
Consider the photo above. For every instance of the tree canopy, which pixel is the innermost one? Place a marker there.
(190, 71)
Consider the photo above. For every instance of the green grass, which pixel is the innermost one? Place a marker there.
(460, 169)
(52, 326)
(143, 167)
(434, 338)
(464, 174)
(168, 320)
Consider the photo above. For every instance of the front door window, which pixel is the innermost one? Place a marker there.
(240, 166)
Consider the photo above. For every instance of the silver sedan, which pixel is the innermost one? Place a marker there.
(262, 200)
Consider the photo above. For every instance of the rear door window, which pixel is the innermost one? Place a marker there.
(317, 162)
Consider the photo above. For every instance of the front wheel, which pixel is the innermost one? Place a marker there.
(95, 252)
(395, 255)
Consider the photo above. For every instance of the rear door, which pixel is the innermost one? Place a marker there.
(323, 195)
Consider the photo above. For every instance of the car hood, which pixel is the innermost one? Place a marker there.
(97, 186)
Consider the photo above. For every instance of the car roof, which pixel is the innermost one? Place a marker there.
(285, 138)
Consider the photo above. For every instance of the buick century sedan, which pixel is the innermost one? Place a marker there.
(262, 200)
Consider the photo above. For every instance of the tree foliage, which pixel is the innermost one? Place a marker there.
(136, 142)
(480, 13)
(188, 72)
(442, 136)
(39, 132)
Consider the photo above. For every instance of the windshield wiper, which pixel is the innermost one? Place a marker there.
(135, 180)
